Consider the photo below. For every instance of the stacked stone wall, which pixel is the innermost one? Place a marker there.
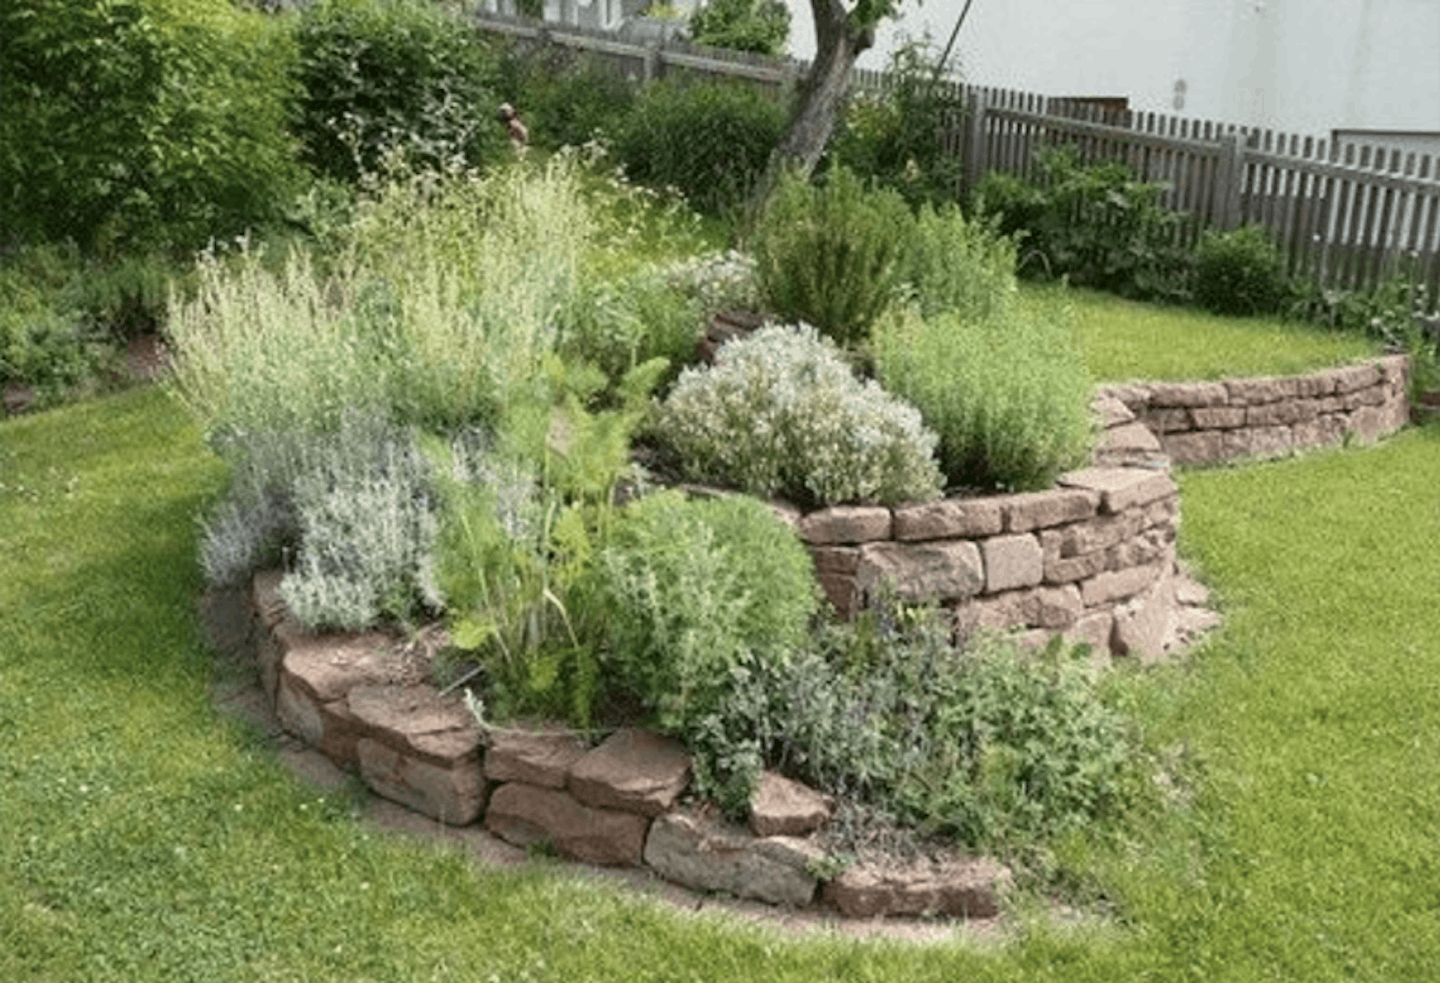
(1208, 422)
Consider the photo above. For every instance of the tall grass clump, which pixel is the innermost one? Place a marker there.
(1008, 395)
(831, 255)
(782, 413)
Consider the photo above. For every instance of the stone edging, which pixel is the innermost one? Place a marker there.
(617, 804)
(1209, 422)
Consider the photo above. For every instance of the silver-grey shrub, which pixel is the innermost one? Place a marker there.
(366, 508)
(782, 413)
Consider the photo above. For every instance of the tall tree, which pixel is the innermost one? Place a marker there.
(842, 33)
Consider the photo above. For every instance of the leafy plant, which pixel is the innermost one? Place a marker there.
(696, 590)
(1239, 272)
(566, 99)
(781, 413)
(761, 26)
(710, 141)
(150, 124)
(377, 76)
(959, 265)
(1093, 223)
(1008, 395)
(832, 255)
(896, 137)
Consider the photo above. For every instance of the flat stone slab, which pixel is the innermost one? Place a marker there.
(1121, 488)
(417, 720)
(923, 571)
(452, 795)
(542, 757)
(966, 888)
(783, 807)
(525, 814)
(712, 856)
(634, 770)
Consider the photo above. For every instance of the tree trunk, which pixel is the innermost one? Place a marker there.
(838, 42)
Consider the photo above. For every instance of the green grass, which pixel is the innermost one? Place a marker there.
(1126, 341)
(144, 837)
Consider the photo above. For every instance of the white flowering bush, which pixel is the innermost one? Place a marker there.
(782, 413)
(718, 281)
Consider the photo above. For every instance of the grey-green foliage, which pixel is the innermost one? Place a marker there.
(1009, 395)
(831, 255)
(365, 507)
(991, 744)
(695, 589)
(782, 413)
(959, 265)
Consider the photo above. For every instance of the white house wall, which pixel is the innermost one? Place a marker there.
(1301, 66)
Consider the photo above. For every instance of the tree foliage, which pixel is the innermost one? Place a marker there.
(761, 26)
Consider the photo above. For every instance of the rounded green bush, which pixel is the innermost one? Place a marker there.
(378, 76)
(693, 590)
(832, 255)
(1239, 272)
(711, 141)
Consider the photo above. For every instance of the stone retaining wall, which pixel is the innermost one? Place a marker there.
(1093, 559)
(1206, 422)
(616, 804)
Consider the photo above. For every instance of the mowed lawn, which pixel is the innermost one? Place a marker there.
(144, 837)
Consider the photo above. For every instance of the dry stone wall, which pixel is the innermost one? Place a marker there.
(1208, 422)
(619, 803)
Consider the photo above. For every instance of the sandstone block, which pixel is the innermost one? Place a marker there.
(836, 559)
(1269, 441)
(1162, 420)
(1373, 396)
(1133, 397)
(1143, 549)
(525, 814)
(1130, 438)
(1253, 392)
(841, 590)
(1012, 561)
(1313, 386)
(329, 666)
(714, 857)
(633, 770)
(1353, 377)
(416, 720)
(949, 518)
(846, 524)
(957, 889)
(1053, 608)
(1188, 394)
(1282, 414)
(1104, 531)
(1064, 570)
(1094, 629)
(1041, 510)
(942, 571)
(1142, 626)
(540, 757)
(453, 795)
(1111, 411)
(782, 807)
(1121, 488)
(1395, 369)
(1117, 585)
(1200, 447)
(1218, 417)
(1369, 423)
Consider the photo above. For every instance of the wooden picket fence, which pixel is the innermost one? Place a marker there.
(1346, 216)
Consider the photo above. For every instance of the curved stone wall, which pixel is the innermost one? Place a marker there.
(1207, 422)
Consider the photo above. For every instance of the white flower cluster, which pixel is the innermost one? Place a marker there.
(720, 281)
(781, 413)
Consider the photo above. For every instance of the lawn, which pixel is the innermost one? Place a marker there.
(1124, 340)
(143, 836)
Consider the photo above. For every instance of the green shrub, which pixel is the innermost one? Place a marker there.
(896, 138)
(1239, 272)
(1092, 223)
(617, 325)
(564, 99)
(959, 266)
(998, 747)
(761, 26)
(710, 141)
(48, 340)
(697, 589)
(1009, 396)
(831, 255)
(155, 124)
(781, 413)
(380, 75)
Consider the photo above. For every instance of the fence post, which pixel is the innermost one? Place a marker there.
(975, 143)
(1230, 182)
(651, 70)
